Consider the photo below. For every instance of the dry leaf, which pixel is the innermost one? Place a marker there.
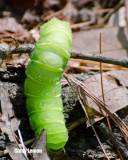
(10, 24)
(115, 89)
(113, 44)
(8, 124)
(13, 151)
(41, 143)
(18, 61)
(35, 34)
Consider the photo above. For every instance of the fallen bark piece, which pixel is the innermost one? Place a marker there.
(112, 138)
(9, 123)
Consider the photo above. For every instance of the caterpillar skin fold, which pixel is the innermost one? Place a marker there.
(42, 85)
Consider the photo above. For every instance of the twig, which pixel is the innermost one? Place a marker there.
(5, 50)
(28, 48)
(102, 87)
(106, 18)
(99, 58)
(104, 66)
(97, 68)
(101, 78)
(78, 122)
(82, 24)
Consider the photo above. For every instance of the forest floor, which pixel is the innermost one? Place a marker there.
(94, 86)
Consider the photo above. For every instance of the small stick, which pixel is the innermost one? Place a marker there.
(107, 16)
(102, 88)
(28, 48)
(99, 58)
(97, 64)
(97, 68)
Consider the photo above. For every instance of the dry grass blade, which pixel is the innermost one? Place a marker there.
(97, 68)
(95, 65)
(22, 143)
(123, 127)
(84, 106)
(86, 113)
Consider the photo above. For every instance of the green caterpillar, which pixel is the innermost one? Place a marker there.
(42, 85)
